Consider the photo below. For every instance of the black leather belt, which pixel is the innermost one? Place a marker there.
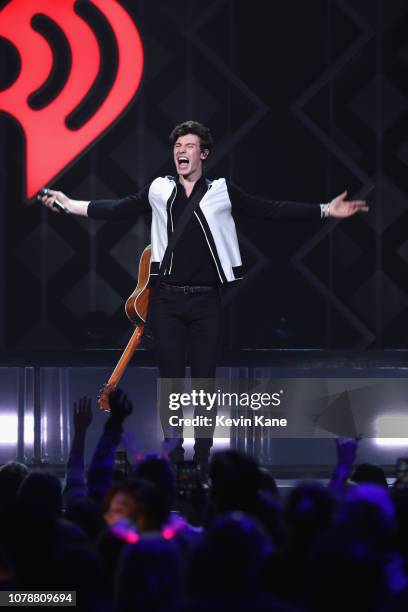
(188, 288)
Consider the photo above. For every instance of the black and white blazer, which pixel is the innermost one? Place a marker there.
(215, 214)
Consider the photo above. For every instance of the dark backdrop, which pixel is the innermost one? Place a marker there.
(304, 99)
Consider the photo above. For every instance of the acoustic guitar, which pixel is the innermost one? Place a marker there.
(136, 309)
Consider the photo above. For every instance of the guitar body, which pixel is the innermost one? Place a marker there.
(138, 302)
(136, 308)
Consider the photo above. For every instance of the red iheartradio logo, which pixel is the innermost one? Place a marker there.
(51, 144)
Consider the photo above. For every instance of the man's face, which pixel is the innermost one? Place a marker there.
(188, 156)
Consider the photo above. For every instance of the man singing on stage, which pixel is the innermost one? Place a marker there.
(186, 309)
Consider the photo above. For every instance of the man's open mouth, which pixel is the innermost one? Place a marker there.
(183, 162)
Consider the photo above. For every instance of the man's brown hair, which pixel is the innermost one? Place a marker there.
(193, 127)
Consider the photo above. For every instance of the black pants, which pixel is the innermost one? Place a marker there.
(187, 330)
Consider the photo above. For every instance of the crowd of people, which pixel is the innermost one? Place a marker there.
(149, 538)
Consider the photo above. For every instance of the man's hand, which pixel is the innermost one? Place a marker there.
(120, 406)
(341, 208)
(82, 414)
(49, 199)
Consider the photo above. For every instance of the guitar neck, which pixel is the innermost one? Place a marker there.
(126, 356)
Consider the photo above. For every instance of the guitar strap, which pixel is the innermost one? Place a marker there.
(191, 206)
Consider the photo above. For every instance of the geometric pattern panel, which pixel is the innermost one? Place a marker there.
(44, 242)
(92, 293)
(301, 125)
(393, 300)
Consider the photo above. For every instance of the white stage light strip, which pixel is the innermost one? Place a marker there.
(391, 442)
(218, 443)
(8, 429)
(388, 424)
(44, 427)
(29, 429)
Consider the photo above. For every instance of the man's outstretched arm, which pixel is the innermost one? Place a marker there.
(74, 207)
(253, 206)
(125, 208)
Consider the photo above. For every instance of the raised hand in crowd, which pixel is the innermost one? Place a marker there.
(75, 486)
(82, 413)
(346, 452)
(100, 473)
(120, 406)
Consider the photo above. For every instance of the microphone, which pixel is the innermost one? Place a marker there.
(57, 204)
